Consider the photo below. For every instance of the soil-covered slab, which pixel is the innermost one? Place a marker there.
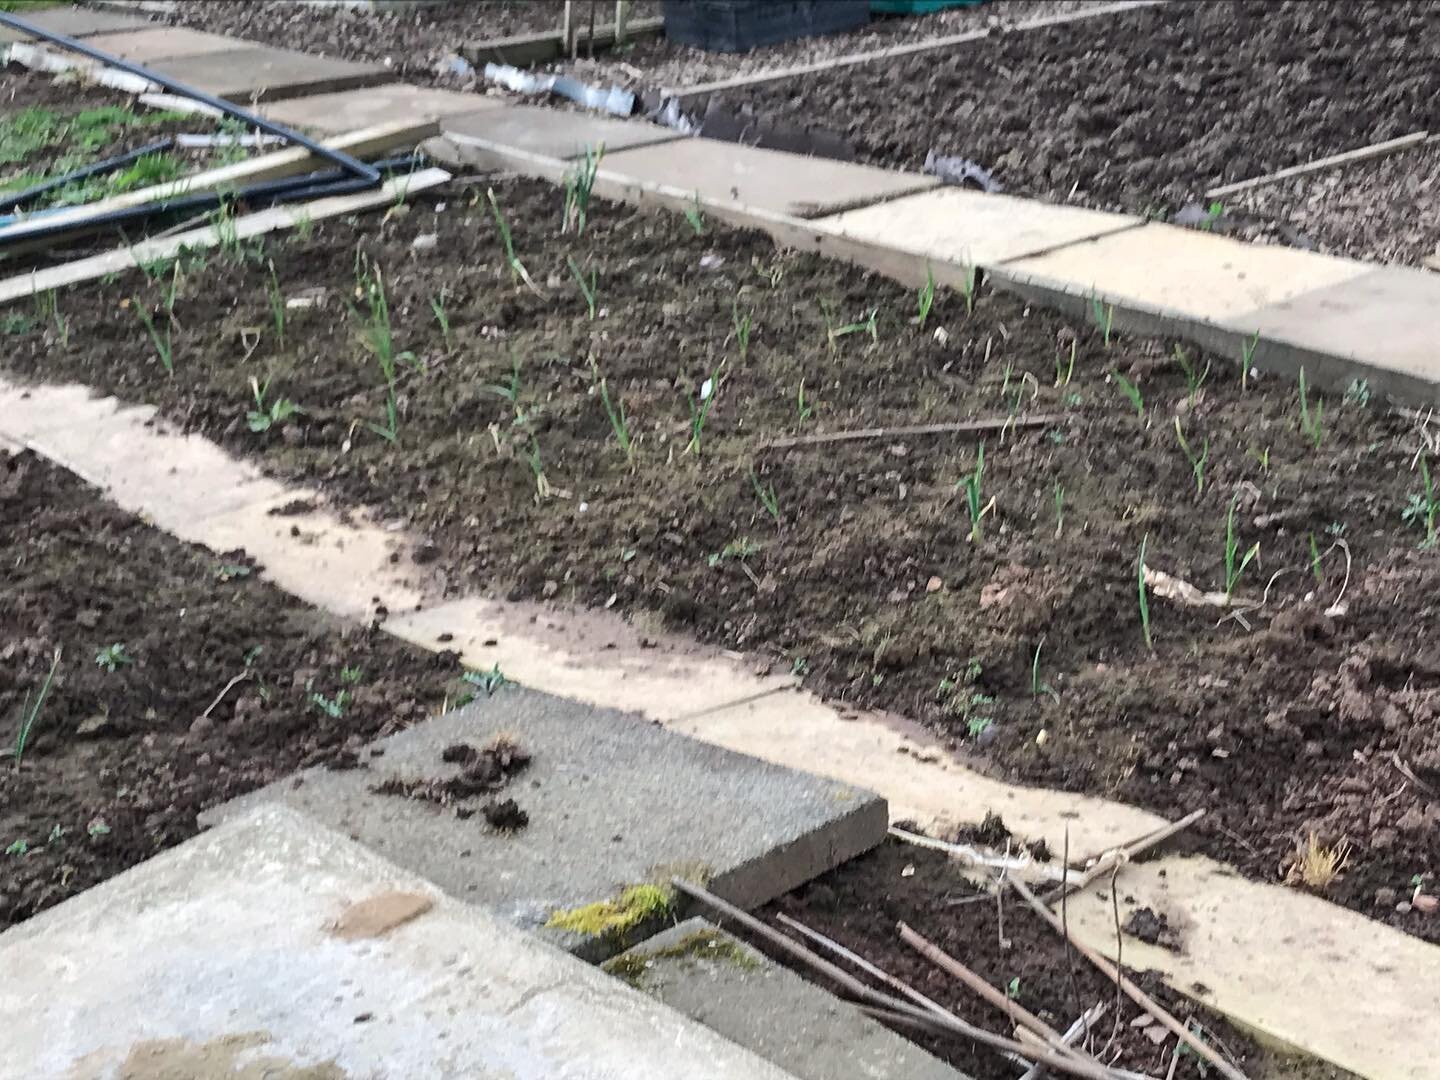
(1310, 710)
(180, 680)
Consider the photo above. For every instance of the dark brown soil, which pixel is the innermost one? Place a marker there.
(860, 904)
(866, 576)
(121, 761)
(1146, 110)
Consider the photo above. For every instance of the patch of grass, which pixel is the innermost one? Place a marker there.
(1315, 865)
(30, 711)
(263, 417)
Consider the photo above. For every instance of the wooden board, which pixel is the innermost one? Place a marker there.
(244, 228)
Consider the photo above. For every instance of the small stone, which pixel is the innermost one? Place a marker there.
(934, 585)
(96, 725)
(1402, 908)
(549, 589)
(425, 242)
(1386, 897)
(1425, 903)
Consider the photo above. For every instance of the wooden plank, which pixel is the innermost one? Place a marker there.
(1334, 161)
(244, 228)
(521, 50)
(292, 161)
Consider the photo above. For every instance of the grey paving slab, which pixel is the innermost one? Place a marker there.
(554, 132)
(613, 801)
(766, 179)
(356, 109)
(973, 228)
(1383, 326)
(259, 72)
(274, 947)
(75, 22)
(719, 981)
(162, 43)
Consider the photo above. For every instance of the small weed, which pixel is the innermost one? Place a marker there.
(517, 268)
(18, 847)
(47, 308)
(537, 469)
(740, 548)
(1247, 357)
(1012, 988)
(695, 216)
(1131, 392)
(1213, 213)
(113, 657)
(587, 288)
(578, 185)
(488, 681)
(333, 707)
(926, 298)
(973, 496)
(742, 325)
(1064, 370)
(164, 344)
(16, 325)
(1197, 461)
(1104, 318)
(1234, 568)
(30, 711)
(1316, 866)
(1036, 686)
(1423, 508)
(1312, 419)
(265, 417)
(1315, 569)
(304, 228)
(804, 410)
(1194, 378)
(968, 285)
(1144, 593)
(276, 299)
(1357, 393)
(350, 675)
(377, 335)
(700, 410)
(442, 316)
(961, 697)
(766, 494)
(615, 413)
(1262, 458)
(865, 325)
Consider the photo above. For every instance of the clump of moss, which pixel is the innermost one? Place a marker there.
(703, 944)
(614, 917)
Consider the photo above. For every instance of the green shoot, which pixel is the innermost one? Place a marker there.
(1059, 509)
(973, 496)
(1425, 507)
(866, 325)
(1131, 392)
(1247, 356)
(113, 657)
(615, 413)
(47, 308)
(1315, 562)
(1193, 379)
(1144, 593)
(517, 268)
(967, 288)
(766, 494)
(587, 288)
(926, 298)
(442, 316)
(276, 300)
(700, 410)
(1104, 317)
(164, 345)
(1234, 569)
(1063, 374)
(264, 417)
(537, 467)
(1036, 686)
(695, 217)
(30, 711)
(578, 185)
(804, 410)
(489, 681)
(304, 228)
(1311, 419)
(742, 325)
(377, 336)
(1197, 461)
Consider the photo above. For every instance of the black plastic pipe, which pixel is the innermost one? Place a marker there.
(351, 165)
(100, 168)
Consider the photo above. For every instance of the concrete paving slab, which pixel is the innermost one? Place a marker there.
(972, 228)
(162, 43)
(613, 801)
(1183, 272)
(719, 981)
(765, 179)
(75, 22)
(1382, 326)
(554, 132)
(355, 109)
(273, 947)
(259, 72)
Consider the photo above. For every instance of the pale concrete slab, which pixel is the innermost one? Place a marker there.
(258, 72)
(613, 801)
(355, 109)
(1183, 272)
(719, 981)
(554, 132)
(972, 228)
(162, 43)
(1382, 326)
(765, 179)
(75, 22)
(274, 947)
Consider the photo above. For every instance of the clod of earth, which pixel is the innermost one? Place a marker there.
(485, 770)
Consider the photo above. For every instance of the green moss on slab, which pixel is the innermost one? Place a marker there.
(614, 917)
(701, 945)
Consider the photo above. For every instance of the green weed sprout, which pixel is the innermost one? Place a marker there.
(1423, 508)
(1144, 593)
(742, 325)
(264, 417)
(615, 413)
(700, 410)
(1194, 378)
(1234, 568)
(164, 345)
(537, 468)
(1064, 374)
(517, 268)
(47, 307)
(1311, 419)
(767, 497)
(1104, 317)
(804, 410)
(442, 316)
(1197, 461)
(113, 657)
(276, 299)
(1131, 392)
(30, 711)
(378, 337)
(587, 288)
(1036, 686)
(866, 325)
(1247, 355)
(695, 216)
(1059, 509)
(926, 298)
(973, 496)
(968, 285)
(1315, 570)
(578, 185)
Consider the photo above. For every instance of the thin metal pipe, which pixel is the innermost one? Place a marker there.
(99, 168)
(351, 165)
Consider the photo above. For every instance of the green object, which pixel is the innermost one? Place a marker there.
(917, 7)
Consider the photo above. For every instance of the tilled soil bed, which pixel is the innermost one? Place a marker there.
(135, 737)
(1310, 710)
(1145, 110)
